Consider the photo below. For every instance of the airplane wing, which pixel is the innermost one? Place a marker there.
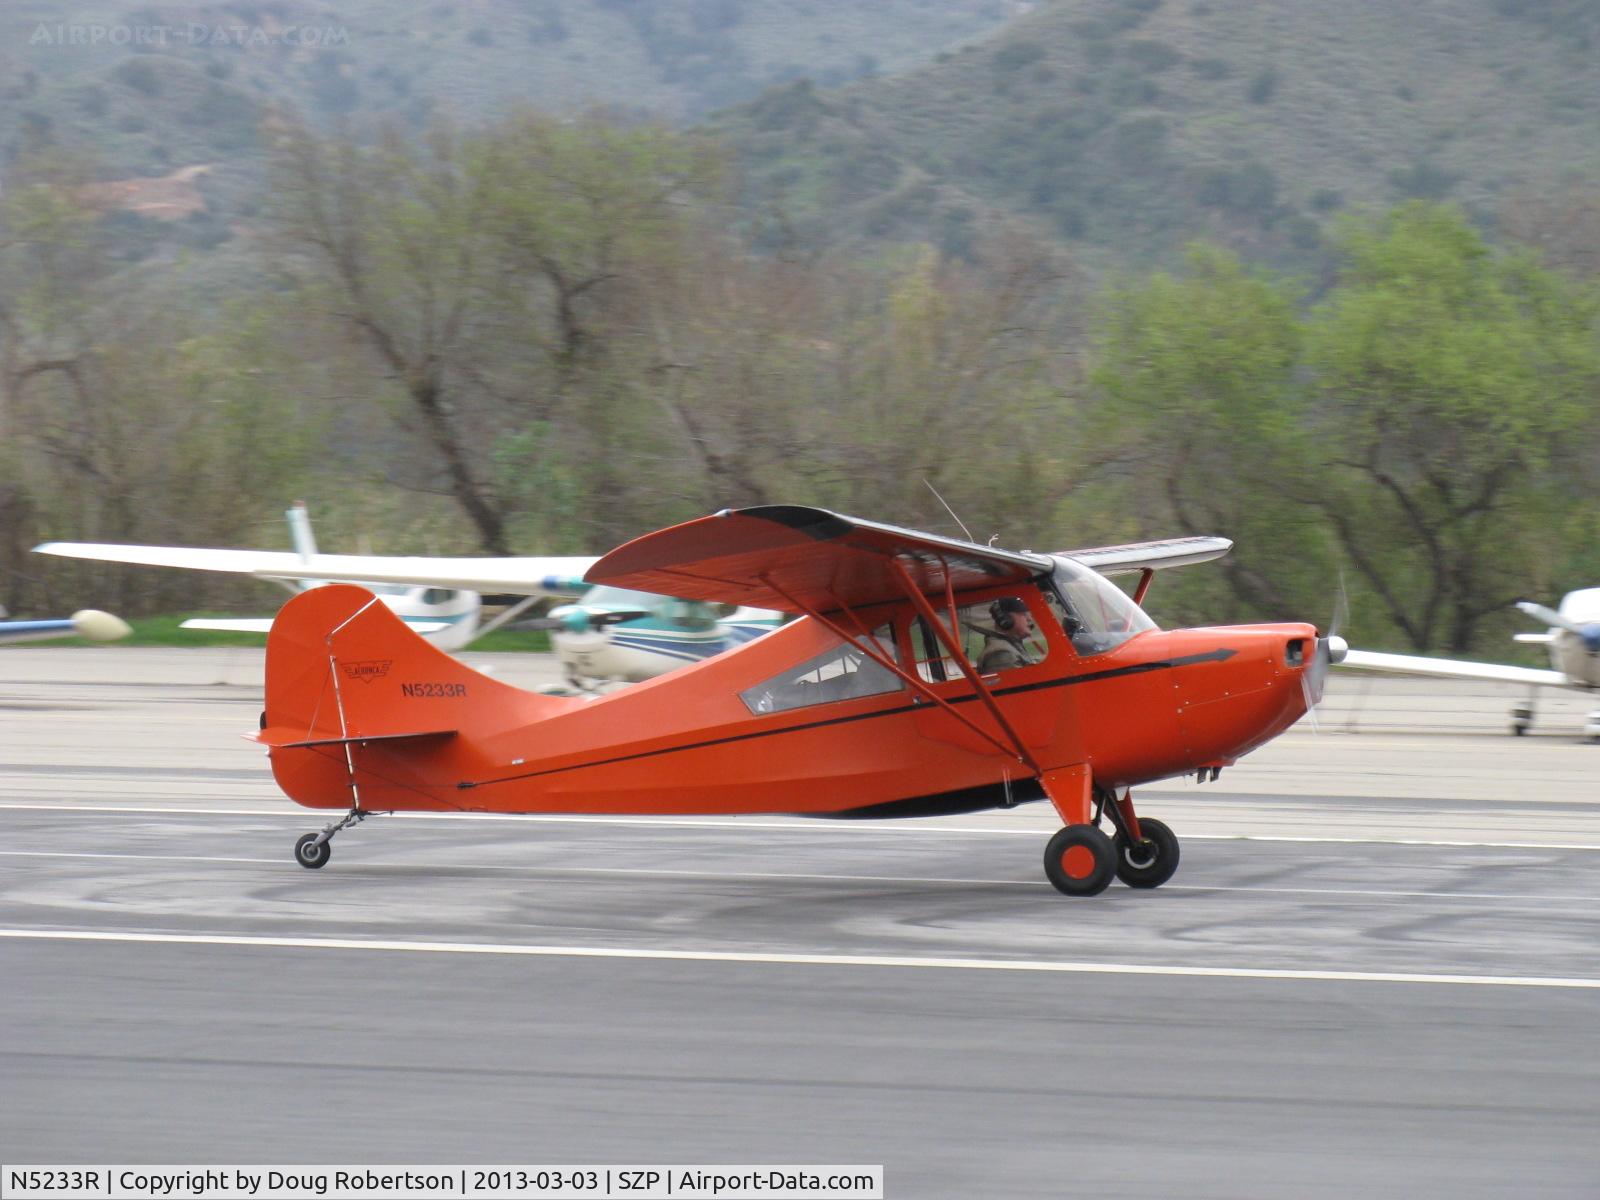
(1449, 668)
(1150, 556)
(556, 576)
(88, 623)
(789, 557)
(264, 624)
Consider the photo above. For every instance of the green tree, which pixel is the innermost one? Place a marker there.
(1198, 393)
(488, 276)
(1454, 383)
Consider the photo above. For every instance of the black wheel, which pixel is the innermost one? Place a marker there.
(1080, 861)
(1151, 861)
(311, 855)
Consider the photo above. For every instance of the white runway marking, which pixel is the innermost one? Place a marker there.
(1543, 899)
(817, 825)
(811, 960)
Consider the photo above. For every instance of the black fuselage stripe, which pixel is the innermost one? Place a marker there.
(1218, 655)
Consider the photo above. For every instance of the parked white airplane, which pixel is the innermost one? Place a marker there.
(88, 623)
(603, 635)
(1573, 640)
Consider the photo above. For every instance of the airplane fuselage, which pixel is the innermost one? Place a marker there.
(1162, 703)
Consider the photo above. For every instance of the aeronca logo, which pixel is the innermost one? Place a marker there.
(367, 671)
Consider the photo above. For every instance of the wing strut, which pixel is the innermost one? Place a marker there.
(864, 644)
(953, 646)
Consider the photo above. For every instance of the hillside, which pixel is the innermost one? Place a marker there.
(1131, 126)
(136, 79)
(128, 90)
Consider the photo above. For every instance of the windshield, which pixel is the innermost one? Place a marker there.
(1100, 615)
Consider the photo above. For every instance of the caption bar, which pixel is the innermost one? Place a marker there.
(617, 1182)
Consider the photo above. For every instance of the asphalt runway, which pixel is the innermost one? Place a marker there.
(1378, 974)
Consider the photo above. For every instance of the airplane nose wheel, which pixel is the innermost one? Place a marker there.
(1080, 861)
(1151, 861)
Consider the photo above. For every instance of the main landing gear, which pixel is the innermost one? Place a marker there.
(314, 849)
(1080, 860)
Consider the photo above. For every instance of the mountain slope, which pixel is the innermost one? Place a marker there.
(1134, 125)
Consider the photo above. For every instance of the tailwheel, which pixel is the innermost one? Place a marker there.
(1080, 861)
(314, 849)
(1150, 861)
(310, 853)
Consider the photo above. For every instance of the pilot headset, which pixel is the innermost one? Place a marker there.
(1000, 612)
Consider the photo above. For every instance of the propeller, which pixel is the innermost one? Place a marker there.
(1330, 649)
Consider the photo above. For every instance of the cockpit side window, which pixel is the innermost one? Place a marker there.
(997, 634)
(841, 673)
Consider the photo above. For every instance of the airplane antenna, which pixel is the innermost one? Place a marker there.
(949, 510)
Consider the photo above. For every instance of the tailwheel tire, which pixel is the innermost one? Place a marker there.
(309, 854)
(1151, 861)
(1080, 861)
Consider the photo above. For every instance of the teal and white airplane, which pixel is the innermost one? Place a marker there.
(602, 635)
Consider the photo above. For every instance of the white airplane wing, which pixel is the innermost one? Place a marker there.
(89, 623)
(556, 576)
(1142, 556)
(1449, 668)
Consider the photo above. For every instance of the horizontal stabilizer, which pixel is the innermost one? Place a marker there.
(1549, 616)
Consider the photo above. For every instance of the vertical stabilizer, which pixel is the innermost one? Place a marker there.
(352, 694)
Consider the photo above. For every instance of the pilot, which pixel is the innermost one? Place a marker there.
(1006, 645)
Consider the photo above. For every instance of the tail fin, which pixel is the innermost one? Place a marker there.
(353, 697)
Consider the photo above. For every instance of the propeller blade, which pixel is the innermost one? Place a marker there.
(1330, 650)
(1311, 701)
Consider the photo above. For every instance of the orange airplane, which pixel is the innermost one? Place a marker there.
(924, 675)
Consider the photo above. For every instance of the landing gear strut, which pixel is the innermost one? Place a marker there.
(314, 849)
(1522, 717)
